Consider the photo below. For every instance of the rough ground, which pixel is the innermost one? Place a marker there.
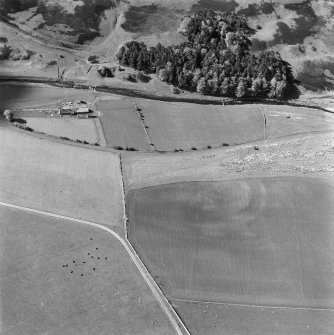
(311, 154)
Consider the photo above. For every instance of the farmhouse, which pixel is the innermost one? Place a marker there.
(79, 109)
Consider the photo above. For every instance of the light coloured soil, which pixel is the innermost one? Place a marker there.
(176, 125)
(59, 178)
(310, 155)
(121, 124)
(60, 277)
(211, 319)
(264, 241)
(71, 127)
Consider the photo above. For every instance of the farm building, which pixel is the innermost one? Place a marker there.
(70, 108)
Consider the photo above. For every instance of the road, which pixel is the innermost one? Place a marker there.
(177, 323)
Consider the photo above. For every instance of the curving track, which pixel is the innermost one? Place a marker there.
(169, 311)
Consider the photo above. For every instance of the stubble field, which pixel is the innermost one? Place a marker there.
(63, 179)
(60, 277)
(258, 241)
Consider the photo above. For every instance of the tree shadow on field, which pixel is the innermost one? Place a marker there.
(10, 93)
(19, 120)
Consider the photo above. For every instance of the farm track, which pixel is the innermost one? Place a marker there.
(168, 310)
(251, 305)
(80, 84)
(39, 41)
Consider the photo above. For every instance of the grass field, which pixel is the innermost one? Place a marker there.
(175, 125)
(122, 125)
(60, 178)
(72, 128)
(212, 319)
(283, 120)
(60, 277)
(265, 241)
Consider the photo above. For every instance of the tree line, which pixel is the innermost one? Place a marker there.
(216, 59)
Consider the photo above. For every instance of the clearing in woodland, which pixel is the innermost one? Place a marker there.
(264, 241)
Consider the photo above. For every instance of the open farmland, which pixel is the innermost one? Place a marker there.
(175, 125)
(286, 120)
(264, 241)
(307, 154)
(213, 319)
(60, 178)
(61, 277)
(24, 96)
(70, 127)
(122, 125)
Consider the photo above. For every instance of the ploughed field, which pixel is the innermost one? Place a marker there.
(227, 319)
(61, 277)
(263, 241)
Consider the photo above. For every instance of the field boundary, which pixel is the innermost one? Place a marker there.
(163, 302)
(100, 132)
(123, 91)
(251, 305)
(167, 304)
(160, 152)
(144, 125)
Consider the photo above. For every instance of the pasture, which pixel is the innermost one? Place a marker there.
(183, 126)
(262, 241)
(60, 178)
(121, 124)
(61, 277)
(70, 127)
(213, 319)
(283, 120)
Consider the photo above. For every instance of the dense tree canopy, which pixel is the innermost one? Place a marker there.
(216, 59)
